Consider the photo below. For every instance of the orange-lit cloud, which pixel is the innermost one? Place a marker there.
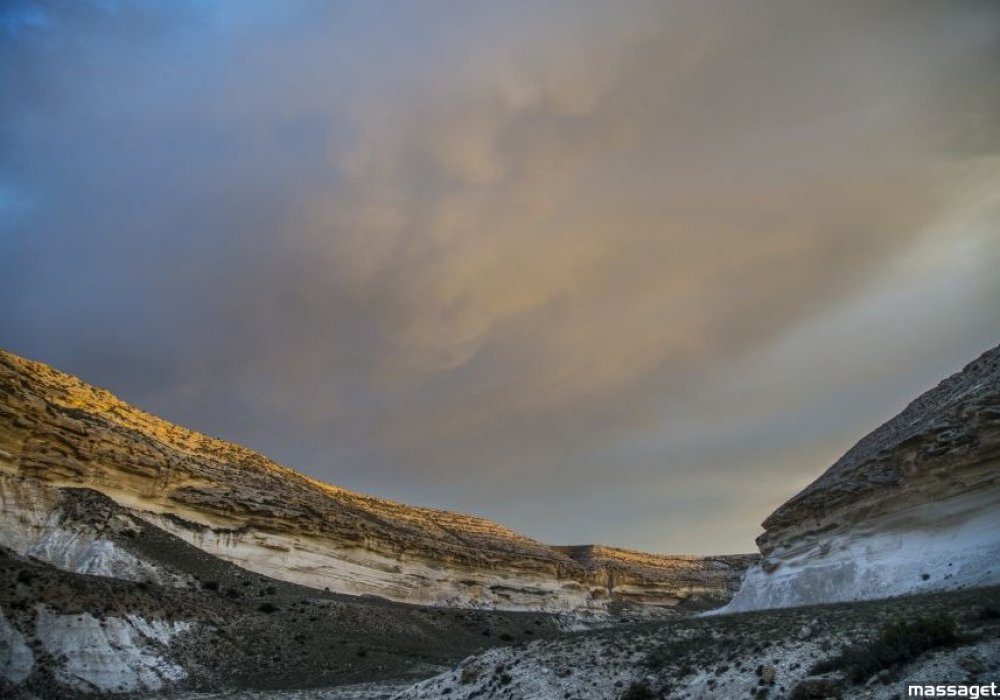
(632, 258)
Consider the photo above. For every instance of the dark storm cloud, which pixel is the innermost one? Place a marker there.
(605, 272)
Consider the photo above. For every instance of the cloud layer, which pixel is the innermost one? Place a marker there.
(627, 273)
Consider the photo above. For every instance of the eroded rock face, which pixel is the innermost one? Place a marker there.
(638, 577)
(74, 530)
(58, 432)
(105, 656)
(914, 506)
(114, 654)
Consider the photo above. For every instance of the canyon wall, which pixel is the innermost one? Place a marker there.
(914, 506)
(58, 433)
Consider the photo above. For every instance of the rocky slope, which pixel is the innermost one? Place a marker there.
(914, 506)
(67, 635)
(852, 650)
(58, 433)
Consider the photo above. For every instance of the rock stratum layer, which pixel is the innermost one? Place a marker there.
(58, 433)
(914, 506)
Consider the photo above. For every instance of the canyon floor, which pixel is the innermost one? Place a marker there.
(808, 652)
(238, 630)
(256, 638)
(835, 651)
(767, 654)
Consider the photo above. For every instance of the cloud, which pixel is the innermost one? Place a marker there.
(491, 256)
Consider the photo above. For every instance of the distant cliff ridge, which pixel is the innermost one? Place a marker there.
(59, 433)
(914, 506)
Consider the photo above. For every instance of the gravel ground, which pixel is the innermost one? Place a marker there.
(750, 655)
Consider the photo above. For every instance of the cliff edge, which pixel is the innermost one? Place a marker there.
(58, 433)
(914, 506)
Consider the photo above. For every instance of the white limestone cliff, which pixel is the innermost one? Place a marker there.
(58, 434)
(914, 506)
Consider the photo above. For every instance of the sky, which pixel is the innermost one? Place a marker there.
(619, 272)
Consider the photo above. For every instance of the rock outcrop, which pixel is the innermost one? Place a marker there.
(70, 635)
(637, 577)
(914, 506)
(110, 655)
(59, 433)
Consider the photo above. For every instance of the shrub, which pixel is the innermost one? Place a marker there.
(989, 612)
(469, 674)
(267, 608)
(676, 650)
(898, 642)
(210, 585)
(637, 690)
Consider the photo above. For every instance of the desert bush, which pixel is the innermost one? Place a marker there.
(637, 690)
(470, 674)
(989, 612)
(898, 642)
(677, 650)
